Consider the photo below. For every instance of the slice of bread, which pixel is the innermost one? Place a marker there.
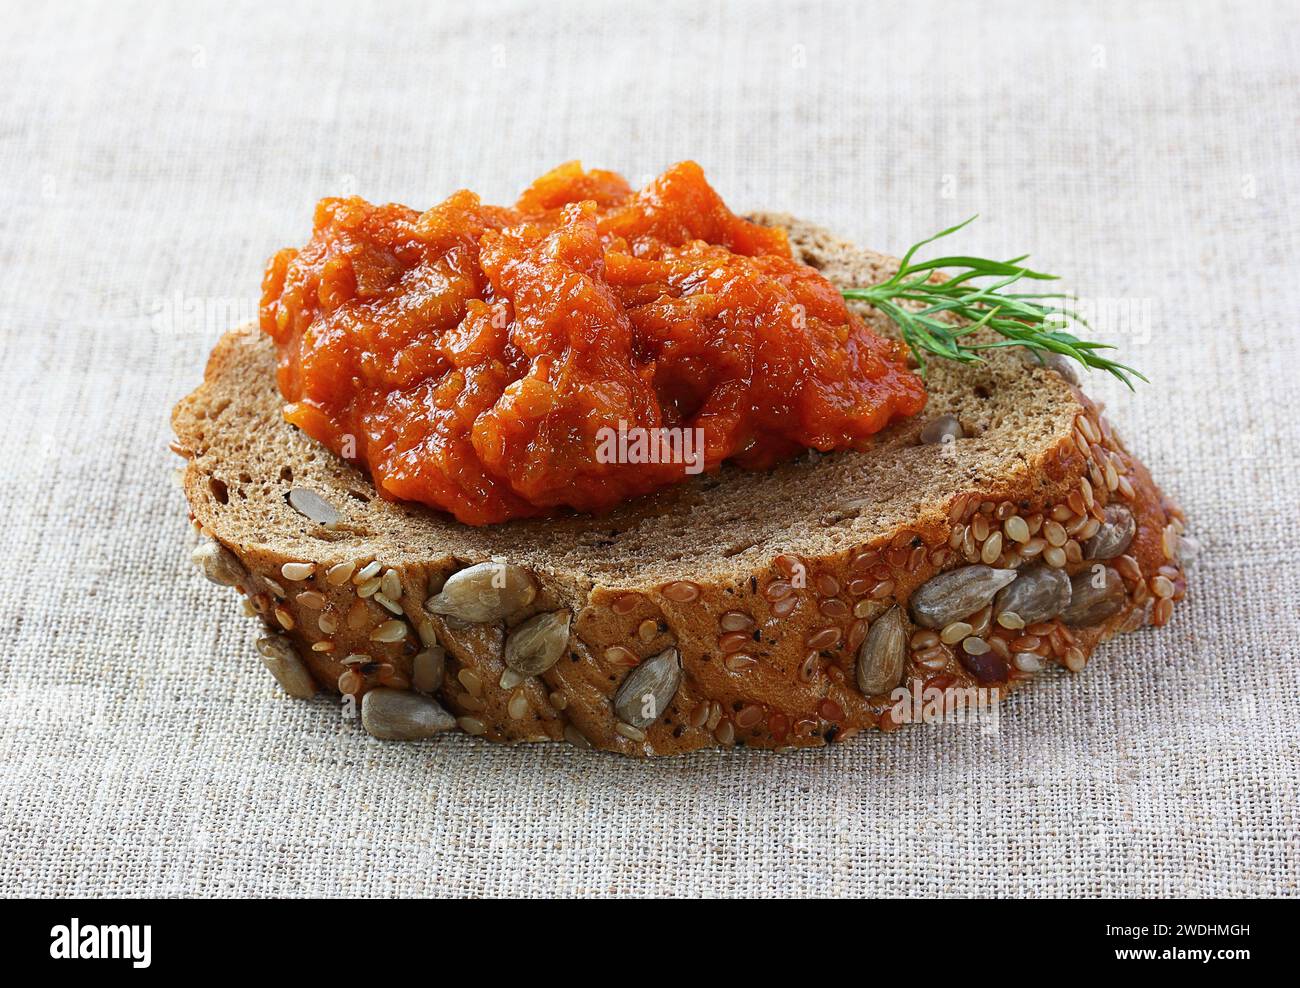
(758, 595)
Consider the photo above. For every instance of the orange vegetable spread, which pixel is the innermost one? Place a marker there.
(502, 362)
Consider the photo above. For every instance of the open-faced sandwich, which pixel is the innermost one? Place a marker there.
(626, 470)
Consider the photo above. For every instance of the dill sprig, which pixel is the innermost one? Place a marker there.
(923, 307)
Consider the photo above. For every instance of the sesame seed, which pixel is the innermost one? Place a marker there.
(739, 662)
(338, 574)
(391, 585)
(510, 679)
(1011, 620)
(518, 705)
(882, 590)
(733, 641)
(311, 599)
(1089, 430)
(384, 601)
(735, 621)
(992, 548)
(297, 571)
(389, 631)
(1054, 533)
(471, 681)
(932, 658)
(619, 656)
(629, 732)
(1169, 541)
(785, 607)
(371, 569)
(681, 592)
(823, 638)
(1112, 476)
(349, 682)
(1017, 529)
(777, 590)
(1027, 662)
(924, 639)
(954, 632)
(788, 563)
(698, 715)
(834, 608)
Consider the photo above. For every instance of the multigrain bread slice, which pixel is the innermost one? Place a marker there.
(771, 609)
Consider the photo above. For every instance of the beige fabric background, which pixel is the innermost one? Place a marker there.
(152, 157)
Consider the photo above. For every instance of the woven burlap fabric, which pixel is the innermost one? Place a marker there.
(154, 156)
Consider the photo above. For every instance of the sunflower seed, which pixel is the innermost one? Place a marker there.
(427, 669)
(400, 715)
(941, 430)
(281, 658)
(883, 652)
(954, 594)
(218, 564)
(1038, 594)
(1098, 593)
(1114, 535)
(311, 505)
(537, 644)
(484, 592)
(648, 689)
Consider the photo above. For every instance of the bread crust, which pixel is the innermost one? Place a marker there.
(768, 640)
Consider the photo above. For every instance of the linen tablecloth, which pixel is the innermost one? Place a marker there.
(153, 157)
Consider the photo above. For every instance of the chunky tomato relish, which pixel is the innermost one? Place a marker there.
(479, 358)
